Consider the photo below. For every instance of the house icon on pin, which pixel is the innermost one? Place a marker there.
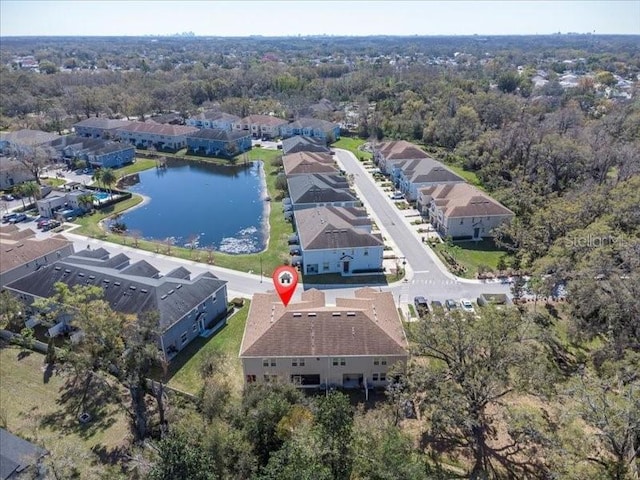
(285, 278)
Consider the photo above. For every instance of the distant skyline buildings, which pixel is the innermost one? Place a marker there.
(336, 18)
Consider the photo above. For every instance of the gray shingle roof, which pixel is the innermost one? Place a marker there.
(216, 115)
(218, 134)
(28, 138)
(298, 143)
(319, 188)
(102, 123)
(127, 293)
(16, 454)
(315, 123)
(334, 227)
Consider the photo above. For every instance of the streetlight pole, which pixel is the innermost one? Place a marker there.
(261, 269)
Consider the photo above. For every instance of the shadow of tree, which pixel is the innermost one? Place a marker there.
(48, 372)
(113, 456)
(24, 354)
(100, 401)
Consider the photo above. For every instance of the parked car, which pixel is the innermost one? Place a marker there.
(20, 217)
(396, 196)
(467, 306)
(451, 304)
(7, 217)
(421, 304)
(42, 221)
(8, 198)
(51, 225)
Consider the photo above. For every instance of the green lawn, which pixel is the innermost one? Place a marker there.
(473, 254)
(140, 165)
(353, 145)
(54, 182)
(184, 370)
(35, 407)
(470, 177)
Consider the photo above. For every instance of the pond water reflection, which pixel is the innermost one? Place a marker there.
(214, 206)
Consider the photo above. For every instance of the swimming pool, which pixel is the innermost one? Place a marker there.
(101, 196)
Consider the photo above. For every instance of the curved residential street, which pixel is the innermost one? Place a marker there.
(426, 275)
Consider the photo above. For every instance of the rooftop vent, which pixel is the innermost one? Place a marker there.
(170, 292)
(297, 314)
(351, 314)
(163, 297)
(106, 280)
(132, 287)
(117, 284)
(311, 314)
(58, 268)
(144, 290)
(81, 274)
(92, 277)
(335, 314)
(66, 270)
(178, 287)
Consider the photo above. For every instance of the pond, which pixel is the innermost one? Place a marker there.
(213, 206)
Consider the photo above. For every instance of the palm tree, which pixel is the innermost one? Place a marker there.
(108, 178)
(86, 200)
(20, 190)
(97, 176)
(31, 190)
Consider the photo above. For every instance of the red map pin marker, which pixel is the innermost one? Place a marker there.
(285, 279)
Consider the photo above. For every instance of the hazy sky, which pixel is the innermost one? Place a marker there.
(365, 17)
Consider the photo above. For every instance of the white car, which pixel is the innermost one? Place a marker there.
(467, 306)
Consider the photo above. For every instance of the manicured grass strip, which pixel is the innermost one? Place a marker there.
(140, 165)
(470, 177)
(353, 145)
(184, 369)
(473, 255)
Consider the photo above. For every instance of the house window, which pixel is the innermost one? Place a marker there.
(195, 327)
(374, 377)
(339, 361)
(379, 361)
(183, 337)
(366, 252)
(325, 266)
(297, 362)
(270, 378)
(251, 378)
(266, 362)
(461, 221)
(383, 377)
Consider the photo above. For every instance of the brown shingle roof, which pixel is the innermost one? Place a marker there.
(16, 250)
(366, 325)
(400, 149)
(308, 162)
(464, 200)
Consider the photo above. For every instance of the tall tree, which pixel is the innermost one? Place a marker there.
(462, 369)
